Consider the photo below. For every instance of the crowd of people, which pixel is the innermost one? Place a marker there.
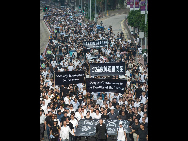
(61, 107)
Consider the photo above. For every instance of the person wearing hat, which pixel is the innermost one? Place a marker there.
(121, 133)
(55, 131)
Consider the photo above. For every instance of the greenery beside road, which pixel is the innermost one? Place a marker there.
(137, 20)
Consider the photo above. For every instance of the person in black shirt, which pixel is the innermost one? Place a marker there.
(87, 115)
(64, 117)
(55, 131)
(123, 116)
(48, 123)
(101, 131)
(138, 92)
(114, 102)
(104, 115)
(130, 114)
(142, 133)
(135, 127)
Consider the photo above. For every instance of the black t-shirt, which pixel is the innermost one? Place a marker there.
(87, 118)
(48, 120)
(136, 127)
(54, 129)
(142, 134)
(104, 116)
(138, 92)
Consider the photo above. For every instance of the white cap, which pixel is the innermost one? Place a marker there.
(120, 122)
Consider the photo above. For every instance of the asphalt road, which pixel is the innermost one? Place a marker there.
(44, 34)
(115, 22)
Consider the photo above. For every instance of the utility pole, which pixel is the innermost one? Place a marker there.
(90, 10)
(145, 20)
(95, 12)
(105, 7)
(134, 5)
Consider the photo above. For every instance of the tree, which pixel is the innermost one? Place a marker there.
(137, 20)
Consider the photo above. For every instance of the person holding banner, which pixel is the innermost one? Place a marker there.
(121, 133)
(101, 131)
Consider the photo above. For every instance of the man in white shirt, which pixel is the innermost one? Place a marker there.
(64, 133)
(78, 114)
(74, 122)
(70, 67)
(100, 101)
(66, 99)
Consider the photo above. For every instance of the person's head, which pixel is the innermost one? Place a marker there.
(65, 114)
(130, 111)
(75, 99)
(91, 109)
(55, 123)
(97, 111)
(106, 106)
(72, 116)
(49, 113)
(145, 114)
(88, 113)
(120, 124)
(112, 111)
(143, 119)
(67, 119)
(64, 123)
(142, 125)
(101, 121)
(79, 109)
(122, 113)
(82, 109)
(136, 120)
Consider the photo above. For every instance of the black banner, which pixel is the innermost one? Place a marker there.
(88, 127)
(103, 69)
(95, 44)
(105, 85)
(69, 77)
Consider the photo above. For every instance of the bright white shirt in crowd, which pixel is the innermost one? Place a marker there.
(42, 118)
(92, 114)
(141, 114)
(74, 122)
(70, 68)
(64, 132)
(136, 104)
(146, 120)
(121, 135)
(66, 100)
(78, 116)
(97, 116)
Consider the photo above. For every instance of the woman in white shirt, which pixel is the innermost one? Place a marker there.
(97, 115)
(121, 133)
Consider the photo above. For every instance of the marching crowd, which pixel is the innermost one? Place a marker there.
(61, 107)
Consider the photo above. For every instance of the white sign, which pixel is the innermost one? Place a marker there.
(141, 34)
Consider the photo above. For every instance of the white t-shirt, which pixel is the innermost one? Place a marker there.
(74, 122)
(121, 135)
(97, 116)
(64, 133)
(140, 50)
(66, 100)
(70, 68)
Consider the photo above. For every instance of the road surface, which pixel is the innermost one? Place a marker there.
(44, 34)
